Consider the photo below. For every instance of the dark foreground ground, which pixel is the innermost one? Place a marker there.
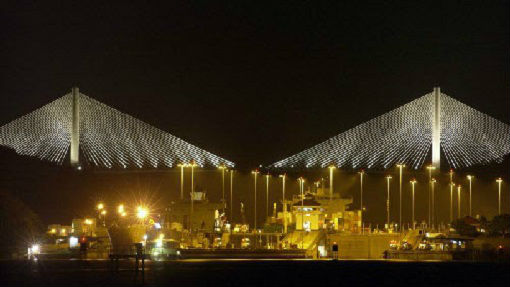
(253, 273)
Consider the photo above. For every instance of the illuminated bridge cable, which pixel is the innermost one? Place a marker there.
(405, 135)
(108, 138)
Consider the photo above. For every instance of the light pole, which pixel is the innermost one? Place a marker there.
(101, 212)
(430, 168)
(388, 177)
(400, 167)
(499, 181)
(458, 201)
(433, 182)
(192, 194)
(222, 168)
(470, 178)
(231, 192)
(182, 166)
(267, 194)
(452, 186)
(284, 208)
(413, 182)
(361, 173)
(255, 173)
(331, 168)
(301, 188)
(451, 195)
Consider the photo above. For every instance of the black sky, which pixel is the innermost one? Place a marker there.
(250, 81)
(253, 81)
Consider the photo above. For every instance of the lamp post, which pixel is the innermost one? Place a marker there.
(499, 181)
(267, 194)
(361, 173)
(192, 194)
(433, 182)
(400, 167)
(452, 186)
(388, 177)
(222, 168)
(451, 195)
(413, 182)
(331, 168)
(470, 178)
(231, 192)
(182, 166)
(255, 173)
(284, 208)
(458, 200)
(301, 188)
(101, 212)
(430, 168)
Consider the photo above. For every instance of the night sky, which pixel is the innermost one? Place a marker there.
(254, 82)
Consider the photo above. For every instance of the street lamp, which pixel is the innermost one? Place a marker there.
(222, 168)
(388, 177)
(301, 187)
(430, 168)
(400, 167)
(331, 168)
(231, 192)
(284, 207)
(101, 212)
(452, 185)
(255, 173)
(301, 180)
(267, 194)
(433, 182)
(470, 177)
(182, 166)
(499, 181)
(361, 173)
(192, 194)
(413, 182)
(458, 200)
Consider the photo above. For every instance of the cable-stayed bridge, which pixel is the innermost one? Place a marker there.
(90, 133)
(433, 125)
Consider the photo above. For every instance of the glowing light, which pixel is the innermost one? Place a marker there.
(141, 212)
(120, 209)
(73, 241)
(36, 249)
(88, 221)
(103, 212)
(100, 206)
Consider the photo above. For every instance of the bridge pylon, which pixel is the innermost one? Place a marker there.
(75, 128)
